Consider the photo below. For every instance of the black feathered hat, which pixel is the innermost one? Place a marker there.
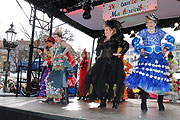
(114, 24)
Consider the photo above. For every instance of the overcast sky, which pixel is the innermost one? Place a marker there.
(11, 12)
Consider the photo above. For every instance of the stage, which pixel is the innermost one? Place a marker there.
(28, 108)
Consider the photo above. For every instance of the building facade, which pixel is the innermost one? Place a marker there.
(176, 53)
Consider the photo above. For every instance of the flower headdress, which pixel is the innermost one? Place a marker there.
(58, 32)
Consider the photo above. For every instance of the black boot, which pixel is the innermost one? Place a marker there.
(83, 98)
(48, 100)
(66, 96)
(103, 103)
(143, 101)
(79, 98)
(115, 105)
(160, 103)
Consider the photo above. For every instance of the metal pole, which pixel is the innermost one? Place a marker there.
(6, 75)
(17, 83)
(30, 57)
(51, 25)
(39, 67)
(92, 53)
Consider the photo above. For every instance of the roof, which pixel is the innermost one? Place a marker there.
(168, 13)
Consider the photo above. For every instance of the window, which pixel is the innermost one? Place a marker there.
(177, 46)
(177, 54)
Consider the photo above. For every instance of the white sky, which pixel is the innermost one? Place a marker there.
(11, 12)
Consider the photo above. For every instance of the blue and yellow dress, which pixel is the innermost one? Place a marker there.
(151, 72)
(61, 70)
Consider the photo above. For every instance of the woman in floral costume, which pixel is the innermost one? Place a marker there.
(174, 94)
(56, 84)
(151, 73)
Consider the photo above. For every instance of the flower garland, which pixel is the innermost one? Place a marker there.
(57, 58)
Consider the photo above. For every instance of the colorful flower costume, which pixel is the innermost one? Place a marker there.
(46, 59)
(127, 67)
(175, 84)
(151, 72)
(61, 71)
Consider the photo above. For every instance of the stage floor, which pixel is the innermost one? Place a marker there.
(128, 110)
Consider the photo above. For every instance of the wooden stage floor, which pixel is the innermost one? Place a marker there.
(28, 108)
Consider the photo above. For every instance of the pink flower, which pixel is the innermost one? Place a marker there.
(176, 88)
(58, 89)
(54, 61)
(178, 82)
(49, 79)
(51, 90)
(61, 61)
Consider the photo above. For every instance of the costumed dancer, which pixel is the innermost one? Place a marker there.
(56, 83)
(127, 66)
(107, 75)
(84, 64)
(45, 55)
(174, 94)
(151, 73)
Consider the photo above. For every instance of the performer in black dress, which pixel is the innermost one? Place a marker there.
(105, 79)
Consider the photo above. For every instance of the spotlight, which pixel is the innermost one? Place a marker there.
(87, 10)
(132, 34)
(176, 26)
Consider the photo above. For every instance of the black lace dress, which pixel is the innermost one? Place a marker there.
(105, 78)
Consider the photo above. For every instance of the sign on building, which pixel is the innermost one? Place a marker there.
(124, 8)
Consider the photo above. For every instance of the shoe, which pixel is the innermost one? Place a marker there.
(103, 103)
(144, 107)
(160, 103)
(143, 101)
(161, 107)
(79, 98)
(56, 100)
(48, 100)
(40, 97)
(115, 105)
(83, 98)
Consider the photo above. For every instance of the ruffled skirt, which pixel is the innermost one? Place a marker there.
(57, 79)
(150, 74)
(105, 79)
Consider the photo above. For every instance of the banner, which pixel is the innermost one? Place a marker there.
(124, 8)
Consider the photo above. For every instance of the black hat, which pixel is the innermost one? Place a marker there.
(114, 24)
(152, 17)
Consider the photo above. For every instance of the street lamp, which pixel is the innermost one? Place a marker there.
(8, 44)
